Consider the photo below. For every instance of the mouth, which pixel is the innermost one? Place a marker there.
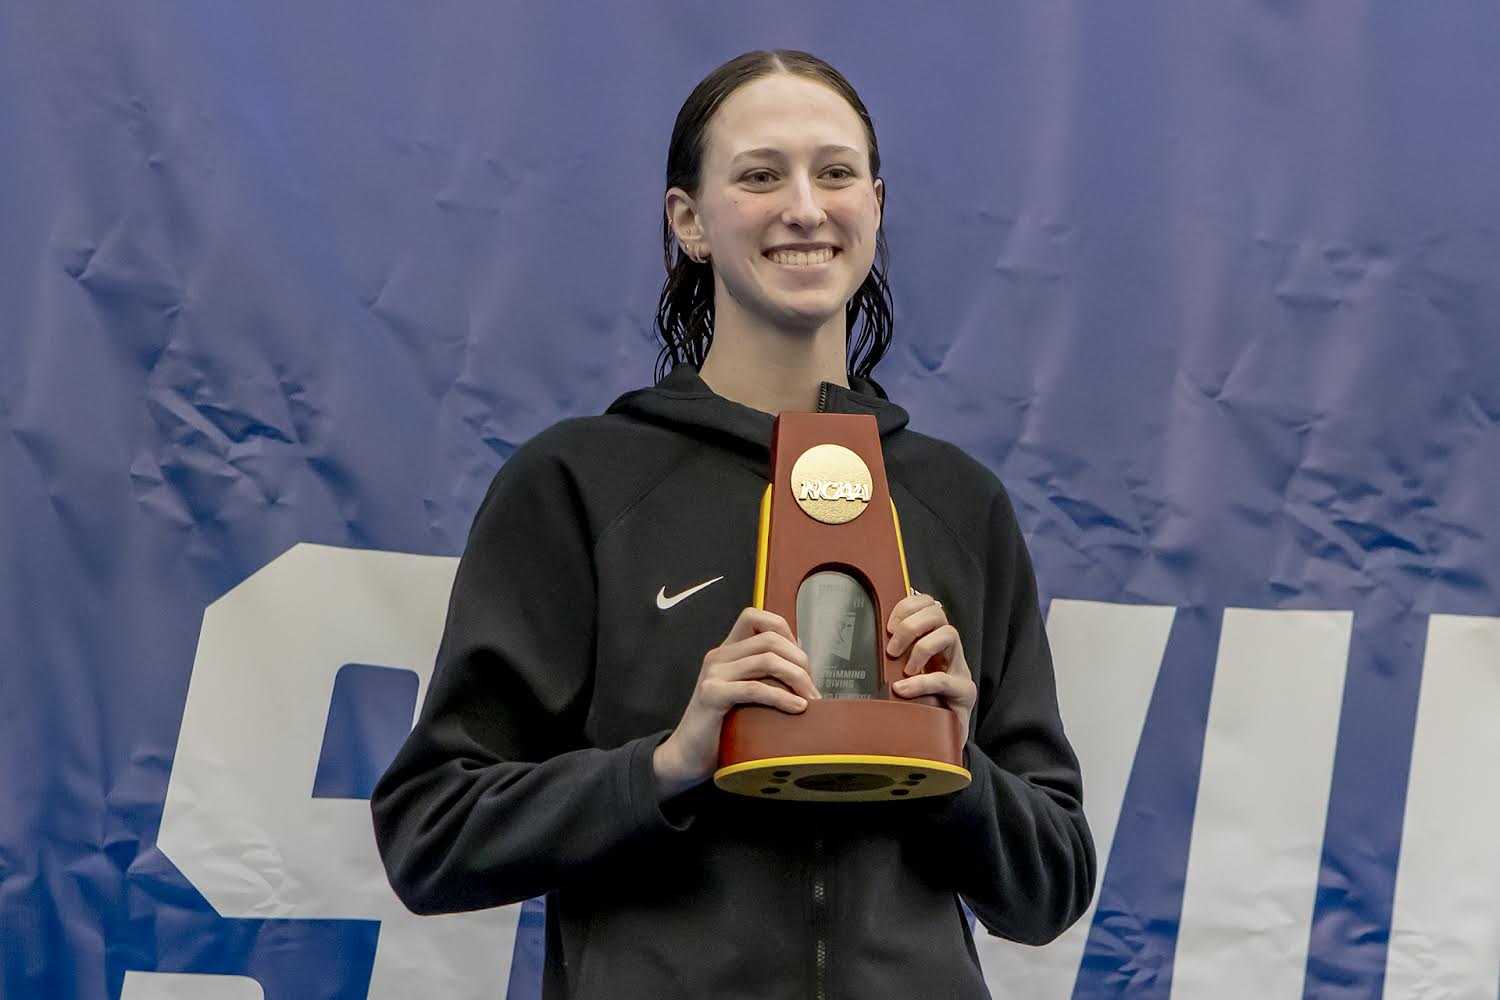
(801, 258)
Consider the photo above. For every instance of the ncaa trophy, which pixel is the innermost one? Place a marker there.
(830, 561)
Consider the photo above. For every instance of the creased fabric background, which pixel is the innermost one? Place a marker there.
(1214, 288)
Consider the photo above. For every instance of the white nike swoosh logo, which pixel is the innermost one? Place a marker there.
(664, 602)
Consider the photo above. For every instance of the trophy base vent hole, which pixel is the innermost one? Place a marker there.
(843, 781)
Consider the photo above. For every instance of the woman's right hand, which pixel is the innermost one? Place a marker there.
(759, 648)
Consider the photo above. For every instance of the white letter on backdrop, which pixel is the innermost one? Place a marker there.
(1107, 657)
(240, 820)
(1445, 925)
(1257, 841)
(188, 986)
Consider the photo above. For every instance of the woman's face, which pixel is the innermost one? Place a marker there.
(786, 208)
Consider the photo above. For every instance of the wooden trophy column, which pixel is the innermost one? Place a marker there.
(830, 547)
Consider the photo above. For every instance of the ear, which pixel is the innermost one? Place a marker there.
(682, 216)
(879, 200)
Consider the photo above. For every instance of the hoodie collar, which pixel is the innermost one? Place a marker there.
(683, 400)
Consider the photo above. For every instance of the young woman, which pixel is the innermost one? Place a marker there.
(598, 629)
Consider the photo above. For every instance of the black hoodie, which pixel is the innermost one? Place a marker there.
(529, 769)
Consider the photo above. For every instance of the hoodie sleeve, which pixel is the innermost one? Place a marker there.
(494, 798)
(1015, 844)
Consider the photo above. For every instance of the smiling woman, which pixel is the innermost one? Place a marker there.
(576, 708)
(773, 206)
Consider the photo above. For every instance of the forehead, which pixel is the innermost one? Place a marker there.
(785, 112)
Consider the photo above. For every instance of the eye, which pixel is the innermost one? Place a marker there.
(844, 173)
(760, 176)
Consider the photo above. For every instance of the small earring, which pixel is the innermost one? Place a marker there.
(692, 256)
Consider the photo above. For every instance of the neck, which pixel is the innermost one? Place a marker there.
(773, 369)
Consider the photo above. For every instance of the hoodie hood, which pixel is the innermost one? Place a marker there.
(684, 401)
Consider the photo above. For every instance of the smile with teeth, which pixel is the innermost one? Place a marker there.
(801, 258)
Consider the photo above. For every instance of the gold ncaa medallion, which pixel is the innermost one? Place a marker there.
(831, 483)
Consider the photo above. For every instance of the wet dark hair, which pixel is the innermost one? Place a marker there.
(685, 314)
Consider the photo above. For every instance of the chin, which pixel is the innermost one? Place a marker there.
(809, 311)
(809, 320)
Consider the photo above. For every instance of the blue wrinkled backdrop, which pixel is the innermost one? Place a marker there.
(1215, 288)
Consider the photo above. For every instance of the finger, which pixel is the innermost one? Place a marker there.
(908, 606)
(756, 620)
(951, 688)
(937, 643)
(769, 665)
(913, 627)
(762, 642)
(725, 694)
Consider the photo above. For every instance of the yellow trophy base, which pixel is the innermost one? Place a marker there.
(842, 777)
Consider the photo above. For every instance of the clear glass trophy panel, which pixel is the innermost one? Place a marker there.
(836, 628)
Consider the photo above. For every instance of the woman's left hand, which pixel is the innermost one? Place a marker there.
(936, 665)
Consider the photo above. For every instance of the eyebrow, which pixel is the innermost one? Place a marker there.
(770, 152)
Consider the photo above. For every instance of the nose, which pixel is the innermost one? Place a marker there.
(803, 211)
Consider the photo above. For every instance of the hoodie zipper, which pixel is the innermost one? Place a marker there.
(823, 397)
(820, 921)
